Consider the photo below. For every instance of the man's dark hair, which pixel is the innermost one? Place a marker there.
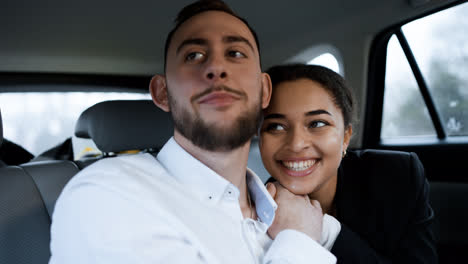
(331, 81)
(200, 7)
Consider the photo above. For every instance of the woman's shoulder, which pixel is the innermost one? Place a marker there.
(383, 169)
(384, 161)
(378, 155)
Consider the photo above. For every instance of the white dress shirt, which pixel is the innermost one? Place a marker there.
(173, 209)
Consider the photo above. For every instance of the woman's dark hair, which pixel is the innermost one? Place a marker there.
(331, 81)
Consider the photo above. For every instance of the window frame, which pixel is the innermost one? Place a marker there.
(373, 114)
(10, 82)
(37, 82)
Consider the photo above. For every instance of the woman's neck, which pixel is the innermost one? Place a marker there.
(326, 195)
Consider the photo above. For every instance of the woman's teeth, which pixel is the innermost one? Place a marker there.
(298, 165)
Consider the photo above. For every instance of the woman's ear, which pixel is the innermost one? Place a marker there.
(267, 89)
(347, 136)
(158, 90)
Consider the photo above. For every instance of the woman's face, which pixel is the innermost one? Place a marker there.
(303, 137)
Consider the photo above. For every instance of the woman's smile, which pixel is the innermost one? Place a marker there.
(298, 167)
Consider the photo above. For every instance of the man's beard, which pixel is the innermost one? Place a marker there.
(211, 137)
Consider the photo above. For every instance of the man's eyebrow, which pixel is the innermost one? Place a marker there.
(272, 116)
(191, 41)
(317, 112)
(234, 39)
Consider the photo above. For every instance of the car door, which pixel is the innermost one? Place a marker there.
(418, 101)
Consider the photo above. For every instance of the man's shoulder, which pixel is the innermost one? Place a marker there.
(121, 166)
(136, 179)
(118, 174)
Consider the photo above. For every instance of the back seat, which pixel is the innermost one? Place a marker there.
(28, 192)
(27, 199)
(449, 201)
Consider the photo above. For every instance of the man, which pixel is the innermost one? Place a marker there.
(197, 202)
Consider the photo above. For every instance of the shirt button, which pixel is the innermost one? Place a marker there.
(251, 225)
(229, 192)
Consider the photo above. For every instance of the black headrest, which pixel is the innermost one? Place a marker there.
(116, 126)
(1, 129)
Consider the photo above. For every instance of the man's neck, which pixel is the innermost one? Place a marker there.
(231, 165)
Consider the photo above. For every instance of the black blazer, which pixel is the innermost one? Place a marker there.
(382, 205)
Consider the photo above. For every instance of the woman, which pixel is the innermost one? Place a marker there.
(380, 198)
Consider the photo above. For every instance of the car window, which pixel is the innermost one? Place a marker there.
(326, 60)
(438, 44)
(325, 55)
(40, 120)
(403, 103)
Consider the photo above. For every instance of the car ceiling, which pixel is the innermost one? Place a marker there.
(127, 37)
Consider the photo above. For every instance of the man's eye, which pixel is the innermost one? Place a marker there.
(194, 56)
(316, 124)
(236, 54)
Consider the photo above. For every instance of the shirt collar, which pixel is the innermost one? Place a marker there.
(264, 203)
(193, 174)
(209, 185)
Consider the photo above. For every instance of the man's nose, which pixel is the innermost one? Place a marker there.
(298, 140)
(216, 68)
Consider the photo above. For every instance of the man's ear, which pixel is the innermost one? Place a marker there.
(347, 136)
(267, 89)
(158, 90)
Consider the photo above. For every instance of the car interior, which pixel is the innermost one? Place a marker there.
(406, 61)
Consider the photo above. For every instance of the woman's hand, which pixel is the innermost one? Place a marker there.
(295, 212)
